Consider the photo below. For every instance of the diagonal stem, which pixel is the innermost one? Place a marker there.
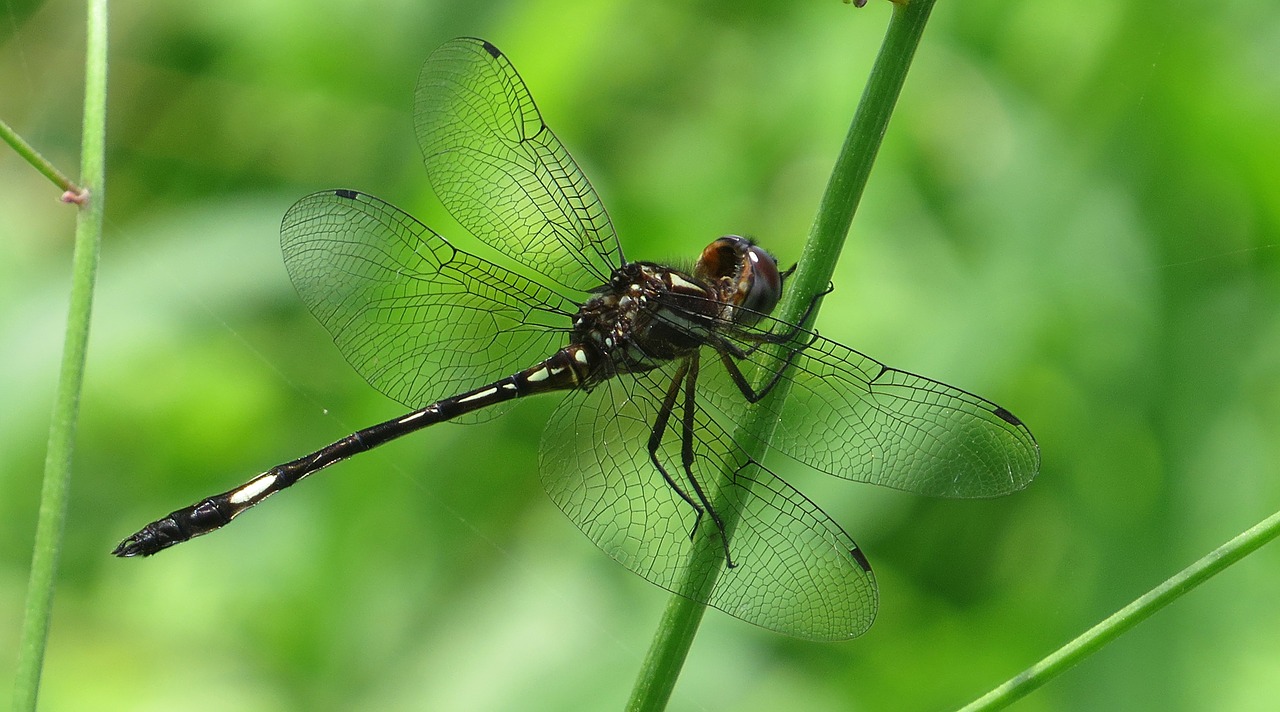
(1122, 620)
(41, 163)
(684, 612)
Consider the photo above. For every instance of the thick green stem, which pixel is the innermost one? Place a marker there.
(684, 612)
(53, 495)
(1122, 620)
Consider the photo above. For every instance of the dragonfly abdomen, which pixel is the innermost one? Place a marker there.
(569, 368)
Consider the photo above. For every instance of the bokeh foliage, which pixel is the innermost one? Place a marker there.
(1075, 214)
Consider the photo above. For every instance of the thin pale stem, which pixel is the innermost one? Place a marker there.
(41, 163)
(53, 495)
(1122, 620)
(683, 614)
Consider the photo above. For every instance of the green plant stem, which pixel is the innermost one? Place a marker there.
(683, 614)
(1122, 620)
(41, 163)
(53, 495)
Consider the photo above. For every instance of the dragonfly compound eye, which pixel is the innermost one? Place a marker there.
(761, 283)
(747, 274)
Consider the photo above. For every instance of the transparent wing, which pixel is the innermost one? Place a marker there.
(417, 318)
(796, 571)
(853, 417)
(502, 173)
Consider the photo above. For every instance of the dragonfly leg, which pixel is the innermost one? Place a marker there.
(813, 304)
(757, 339)
(687, 459)
(660, 429)
(751, 394)
(729, 351)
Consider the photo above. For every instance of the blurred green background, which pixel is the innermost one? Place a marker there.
(1074, 214)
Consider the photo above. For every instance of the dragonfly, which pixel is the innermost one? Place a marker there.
(648, 452)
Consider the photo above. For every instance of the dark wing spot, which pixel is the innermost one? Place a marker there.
(1006, 416)
(348, 194)
(861, 558)
(493, 51)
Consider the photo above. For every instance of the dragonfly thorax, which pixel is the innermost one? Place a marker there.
(649, 314)
(645, 316)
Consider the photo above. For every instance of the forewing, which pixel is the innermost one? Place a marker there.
(853, 417)
(417, 318)
(502, 173)
(796, 571)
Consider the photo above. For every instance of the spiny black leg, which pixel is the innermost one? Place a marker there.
(813, 303)
(729, 351)
(785, 336)
(686, 459)
(739, 380)
(660, 429)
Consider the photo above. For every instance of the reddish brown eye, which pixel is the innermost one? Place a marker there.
(748, 274)
(719, 259)
(762, 281)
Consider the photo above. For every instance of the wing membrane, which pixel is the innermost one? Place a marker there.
(502, 173)
(796, 571)
(853, 417)
(419, 319)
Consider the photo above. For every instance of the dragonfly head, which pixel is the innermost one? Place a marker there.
(745, 276)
